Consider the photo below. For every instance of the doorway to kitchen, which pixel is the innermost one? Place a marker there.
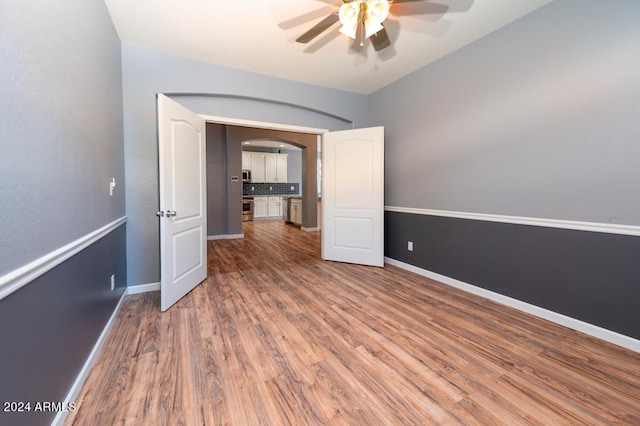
(234, 174)
(272, 176)
(354, 164)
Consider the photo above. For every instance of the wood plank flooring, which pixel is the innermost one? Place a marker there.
(276, 336)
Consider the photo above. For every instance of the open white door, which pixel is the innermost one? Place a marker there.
(353, 196)
(183, 207)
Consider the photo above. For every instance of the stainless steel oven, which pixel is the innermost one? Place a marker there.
(247, 208)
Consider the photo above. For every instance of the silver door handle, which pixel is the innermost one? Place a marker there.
(171, 213)
(160, 213)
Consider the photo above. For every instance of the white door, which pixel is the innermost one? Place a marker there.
(353, 196)
(183, 207)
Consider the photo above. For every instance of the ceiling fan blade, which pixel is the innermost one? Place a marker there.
(380, 40)
(452, 5)
(304, 18)
(414, 8)
(318, 28)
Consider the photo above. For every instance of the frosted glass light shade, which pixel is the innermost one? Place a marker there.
(375, 12)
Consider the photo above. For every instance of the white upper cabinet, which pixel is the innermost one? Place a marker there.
(281, 168)
(258, 168)
(246, 160)
(271, 168)
(266, 167)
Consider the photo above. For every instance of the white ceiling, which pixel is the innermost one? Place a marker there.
(259, 36)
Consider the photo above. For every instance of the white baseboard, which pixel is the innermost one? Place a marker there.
(225, 237)
(584, 327)
(312, 229)
(74, 392)
(143, 288)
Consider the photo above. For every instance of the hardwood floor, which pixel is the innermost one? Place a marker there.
(276, 336)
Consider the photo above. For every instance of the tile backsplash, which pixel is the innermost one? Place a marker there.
(270, 189)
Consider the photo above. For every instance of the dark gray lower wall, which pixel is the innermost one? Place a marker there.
(49, 327)
(593, 277)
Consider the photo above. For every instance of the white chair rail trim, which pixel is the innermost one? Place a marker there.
(20, 277)
(608, 228)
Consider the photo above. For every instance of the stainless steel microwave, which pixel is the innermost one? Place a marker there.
(246, 175)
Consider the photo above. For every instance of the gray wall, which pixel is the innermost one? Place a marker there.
(234, 189)
(50, 326)
(294, 166)
(216, 180)
(62, 140)
(61, 126)
(537, 119)
(222, 92)
(589, 276)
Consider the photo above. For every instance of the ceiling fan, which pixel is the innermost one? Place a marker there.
(363, 19)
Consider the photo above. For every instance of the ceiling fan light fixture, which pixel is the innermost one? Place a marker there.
(371, 27)
(349, 31)
(377, 10)
(369, 13)
(348, 15)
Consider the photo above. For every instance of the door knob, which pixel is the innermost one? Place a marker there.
(171, 213)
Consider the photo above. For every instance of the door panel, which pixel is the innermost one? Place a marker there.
(183, 250)
(353, 196)
(186, 150)
(188, 252)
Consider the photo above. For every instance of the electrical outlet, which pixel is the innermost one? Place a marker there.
(271, 188)
(113, 282)
(410, 245)
(112, 185)
(293, 188)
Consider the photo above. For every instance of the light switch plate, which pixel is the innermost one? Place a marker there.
(112, 185)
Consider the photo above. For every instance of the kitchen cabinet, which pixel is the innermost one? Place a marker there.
(281, 168)
(276, 168)
(258, 168)
(274, 206)
(266, 167)
(296, 211)
(246, 161)
(265, 207)
(271, 169)
(260, 207)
